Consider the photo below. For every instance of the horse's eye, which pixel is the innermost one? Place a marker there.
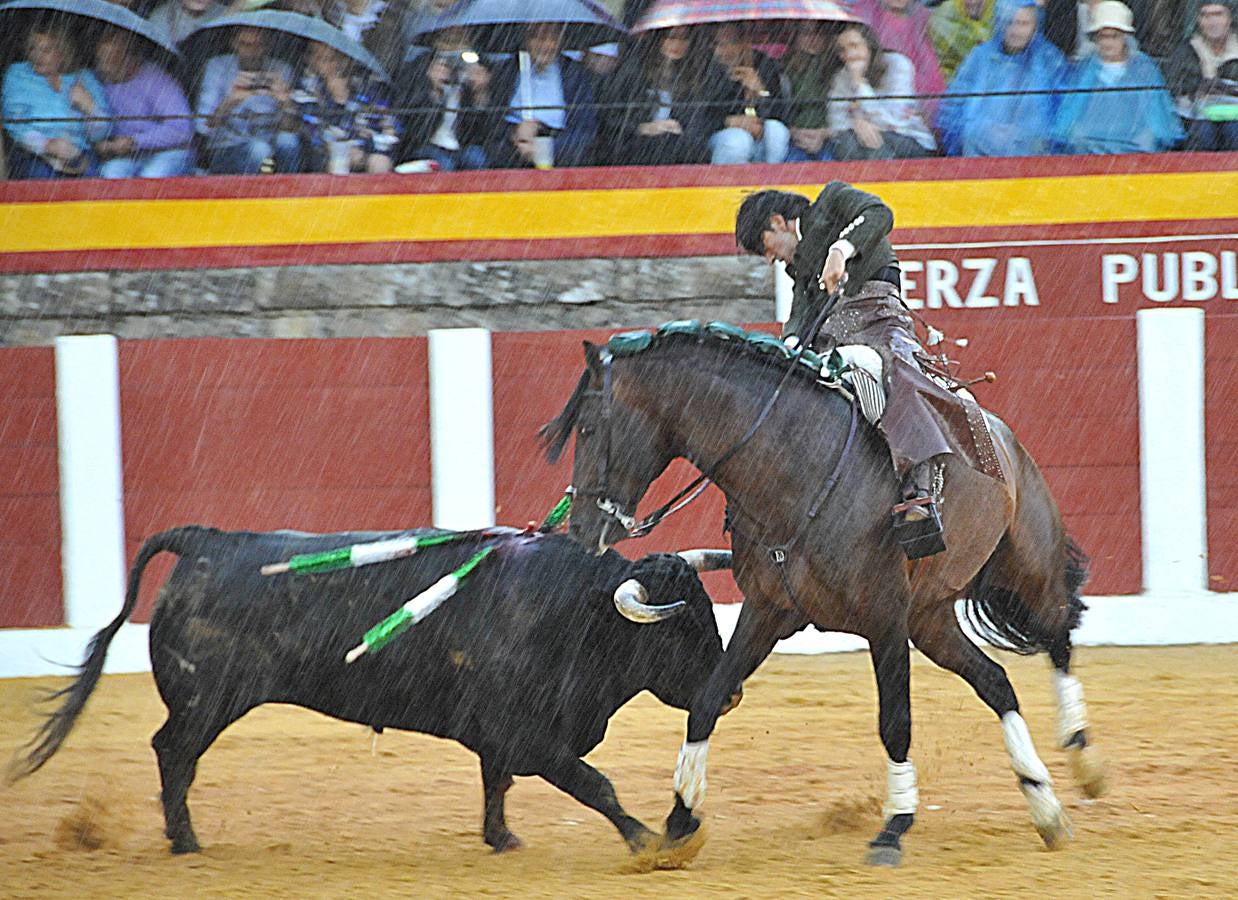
(586, 431)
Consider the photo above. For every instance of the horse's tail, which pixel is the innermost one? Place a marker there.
(1003, 618)
(51, 734)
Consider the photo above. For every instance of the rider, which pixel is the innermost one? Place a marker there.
(842, 238)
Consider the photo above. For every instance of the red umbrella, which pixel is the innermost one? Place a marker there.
(672, 13)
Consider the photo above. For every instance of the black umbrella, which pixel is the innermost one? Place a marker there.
(293, 24)
(498, 25)
(97, 10)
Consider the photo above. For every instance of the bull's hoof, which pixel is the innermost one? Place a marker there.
(884, 856)
(185, 845)
(504, 841)
(1088, 770)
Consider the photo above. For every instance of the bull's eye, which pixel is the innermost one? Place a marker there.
(586, 430)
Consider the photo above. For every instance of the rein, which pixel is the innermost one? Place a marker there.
(694, 488)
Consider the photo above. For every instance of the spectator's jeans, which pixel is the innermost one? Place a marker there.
(894, 146)
(795, 154)
(732, 146)
(247, 158)
(1205, 135)
(149, 164)
(469, 157)
(24, 164)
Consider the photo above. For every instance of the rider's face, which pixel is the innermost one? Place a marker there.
(780, 240)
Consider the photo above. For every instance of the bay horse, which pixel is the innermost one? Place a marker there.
(809, 488)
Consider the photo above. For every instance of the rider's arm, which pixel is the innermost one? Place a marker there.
(866, 219)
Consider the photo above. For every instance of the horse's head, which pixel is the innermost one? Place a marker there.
(619, 452)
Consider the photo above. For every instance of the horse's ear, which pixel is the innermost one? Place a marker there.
(593, 356)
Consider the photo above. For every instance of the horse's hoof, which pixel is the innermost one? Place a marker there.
(1050, 819)
(1057, 835)
(652, 851)
(885, 856)
(678, 853)
(1088, 770)
(505, 842)
(1056, 832)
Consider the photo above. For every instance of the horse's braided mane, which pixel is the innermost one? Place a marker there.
(755, 346)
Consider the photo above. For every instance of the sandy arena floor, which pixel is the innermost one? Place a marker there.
(290, 803)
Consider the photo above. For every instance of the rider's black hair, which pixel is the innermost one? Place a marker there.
(754, 213)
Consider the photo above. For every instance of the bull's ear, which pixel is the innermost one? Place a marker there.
(593, 356)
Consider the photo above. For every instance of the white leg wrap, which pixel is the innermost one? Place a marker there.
(1072, 715)
(690, 772)
(1023, 758)
(902, 795)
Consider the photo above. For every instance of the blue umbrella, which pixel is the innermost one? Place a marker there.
(294, 24)
(496, 24)
(100, 10)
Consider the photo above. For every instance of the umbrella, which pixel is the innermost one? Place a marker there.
(99, 10)
(495, 23)
(672, 13)
(289, 23)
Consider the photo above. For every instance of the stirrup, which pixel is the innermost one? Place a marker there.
(919, 537)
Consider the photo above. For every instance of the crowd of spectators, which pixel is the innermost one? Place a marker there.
(909, 78)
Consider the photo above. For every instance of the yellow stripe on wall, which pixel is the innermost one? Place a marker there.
(534, 215)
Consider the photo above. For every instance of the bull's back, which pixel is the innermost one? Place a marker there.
(487, 658)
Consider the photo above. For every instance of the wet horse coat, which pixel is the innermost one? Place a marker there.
(809, 493)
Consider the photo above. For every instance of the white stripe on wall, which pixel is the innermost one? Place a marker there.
(1172, 483)
(92, 514)
(461, 428)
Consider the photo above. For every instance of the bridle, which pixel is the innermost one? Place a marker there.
(629, 523)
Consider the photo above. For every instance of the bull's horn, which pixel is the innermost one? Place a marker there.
(707, 560)
(631, 599)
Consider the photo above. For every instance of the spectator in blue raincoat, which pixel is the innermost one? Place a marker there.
(53, 110)
(1016, 59)
(1099, 121)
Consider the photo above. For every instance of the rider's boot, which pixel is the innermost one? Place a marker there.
(917, 524)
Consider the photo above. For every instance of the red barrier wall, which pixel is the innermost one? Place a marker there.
(327, 435)
(1221, 449)
(308, 435)
(29, 490)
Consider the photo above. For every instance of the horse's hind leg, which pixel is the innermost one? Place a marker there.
(1030, 590)
(937, 635)
(1072, 723)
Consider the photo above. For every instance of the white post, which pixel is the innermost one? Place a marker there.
(784, 286)
(1171, 449)
(92, 512)
(461, 428)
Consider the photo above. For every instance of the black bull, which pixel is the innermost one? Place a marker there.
(524, 666)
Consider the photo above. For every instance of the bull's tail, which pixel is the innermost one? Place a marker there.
(51, 734)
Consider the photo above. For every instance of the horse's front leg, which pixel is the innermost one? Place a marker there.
(759, 627)
(892, 666)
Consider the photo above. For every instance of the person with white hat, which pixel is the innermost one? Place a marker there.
(1067, 24)
(1095, 118)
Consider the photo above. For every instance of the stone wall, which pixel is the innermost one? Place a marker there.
(383, 300)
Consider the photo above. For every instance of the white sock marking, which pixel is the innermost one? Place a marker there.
(690, 772)
(902, 795)
(1072, 714)
(1023, 758)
